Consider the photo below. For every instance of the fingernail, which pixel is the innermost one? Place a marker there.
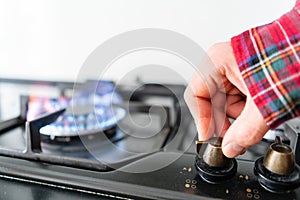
(232, 150)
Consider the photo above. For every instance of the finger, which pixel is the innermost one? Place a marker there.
(201, 111)
(205, 124)
(234, 106)
(221, 121)
(243, 133)
(220, 118)
(198, 95)
(235, 109)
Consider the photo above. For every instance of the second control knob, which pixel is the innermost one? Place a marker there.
(277, 170)
(279, 158)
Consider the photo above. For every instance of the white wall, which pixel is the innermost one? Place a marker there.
(42, 39)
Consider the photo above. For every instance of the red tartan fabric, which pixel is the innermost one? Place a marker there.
(269, 60)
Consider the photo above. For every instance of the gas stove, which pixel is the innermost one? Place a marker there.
(57, 141)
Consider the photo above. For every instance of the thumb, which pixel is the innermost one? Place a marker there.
(247, 130)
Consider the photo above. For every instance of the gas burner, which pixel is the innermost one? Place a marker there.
(84, 120)
(78, 145)
(88, 112)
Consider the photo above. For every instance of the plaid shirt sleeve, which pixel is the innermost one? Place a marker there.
(269, 60)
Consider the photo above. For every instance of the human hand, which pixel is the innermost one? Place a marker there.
(216, 93)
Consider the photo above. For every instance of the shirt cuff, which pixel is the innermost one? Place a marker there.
(268, 59)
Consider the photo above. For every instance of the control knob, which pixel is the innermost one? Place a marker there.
(277, 170)
(212, 165)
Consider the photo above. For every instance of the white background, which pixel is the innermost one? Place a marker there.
(50, 40)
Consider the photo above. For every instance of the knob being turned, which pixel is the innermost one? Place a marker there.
(213, 155)
(212, 165)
